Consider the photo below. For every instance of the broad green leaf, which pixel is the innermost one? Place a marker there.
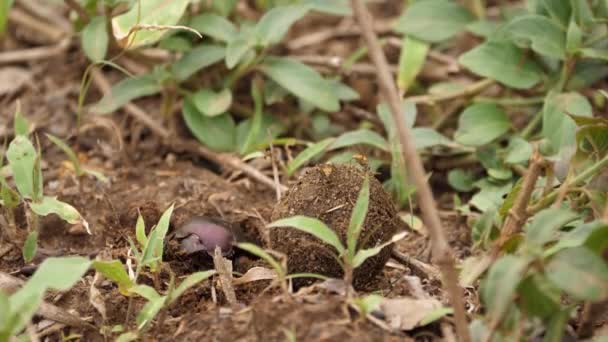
(576, 237)
(481, 124)
(369, 303)
(21, 156)
(261, 253)
(94, 39)
(558, 127)
(115, 271)
(30, 246)
(546, 224)
(434, 20)
(334, 7)
(483, 228)
(311, 226)
(484, 28)
(154, 13)
(504, 62)
(425, 137)
(357, 217)
(499, 286)
(461, 180)
(518, 151)
(224, 7)
(197, 59)
(269, 128)
(149, 311)
(580, 273)
(51, 205)
(411, 61)
(360, 136)
(574, 37)
(558, 9)
(210, 103)
(557, 325)
(344, 92)
(538, 297)
(593, 53)
(125, 91)
(57, 274)
(218, 133)
(309, 153)
(176, 43)
(302, 81)
(273, 26)
(140, 231)
(190, 281)
(238, 47)
(68, 152)
(148, 258)
(490, 195)
(215, 26)
(540, 33)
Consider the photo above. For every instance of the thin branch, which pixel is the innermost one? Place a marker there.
(441, 250)
(42, 28)
(26, 55)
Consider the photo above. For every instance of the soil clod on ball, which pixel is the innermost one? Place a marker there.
(329, 192)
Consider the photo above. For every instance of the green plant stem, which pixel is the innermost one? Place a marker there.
(578, 180)
(477, 7)
(243, 70)
(532, 125)
(511, 101)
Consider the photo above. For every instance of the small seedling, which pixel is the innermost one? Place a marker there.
(349, 256)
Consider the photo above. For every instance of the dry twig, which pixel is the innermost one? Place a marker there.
(441, 250)
(25, 55)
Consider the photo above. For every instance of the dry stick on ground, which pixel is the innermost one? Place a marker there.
(441, 250)
(47, 11)
(34, 53)
(42, 28)
(179, 145)
(225, 275)
(469, 90)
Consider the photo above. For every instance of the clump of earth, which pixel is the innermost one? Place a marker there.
(329, 192)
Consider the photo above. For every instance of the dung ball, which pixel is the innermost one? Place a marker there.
(329, 192)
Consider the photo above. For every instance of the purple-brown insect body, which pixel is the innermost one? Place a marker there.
(203, 234)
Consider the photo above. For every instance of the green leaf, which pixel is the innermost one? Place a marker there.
(211, 103)
(574, 37)
(196, 59)
(215, 26)
(357, 217)
(218, 133)
(540, 33)
(434, 20)
(369, 303)
(576, 237)
(483, 228)
(261, 253)
(557, 325)
(149, 311)
(51, 205)
(190, 281)
(538, 297)
(411, 61)
(518, 151)
(127, 337)
(480, 124)
(364, 254)
(256, 122)
(558, 127)
(145, 291)
(580, 273)
(275, 23)
(592, 53)
(125, 91)
(30, 246)
(94, 39)
(504, 62)
(68, 152)
(21, 156)
(546, 224)
(115, 271)
(5, 7)
(5, 315)
(425, 137)
(302, 81)
(20, 124)
(461, 180)
(224, 7)
(500, 284)
(344, 92)
(140, 231)
(309, 153)
(558, 9)
(360, 136)
(311, 226)
(162, 228)
(150, 12)
(238, 47)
